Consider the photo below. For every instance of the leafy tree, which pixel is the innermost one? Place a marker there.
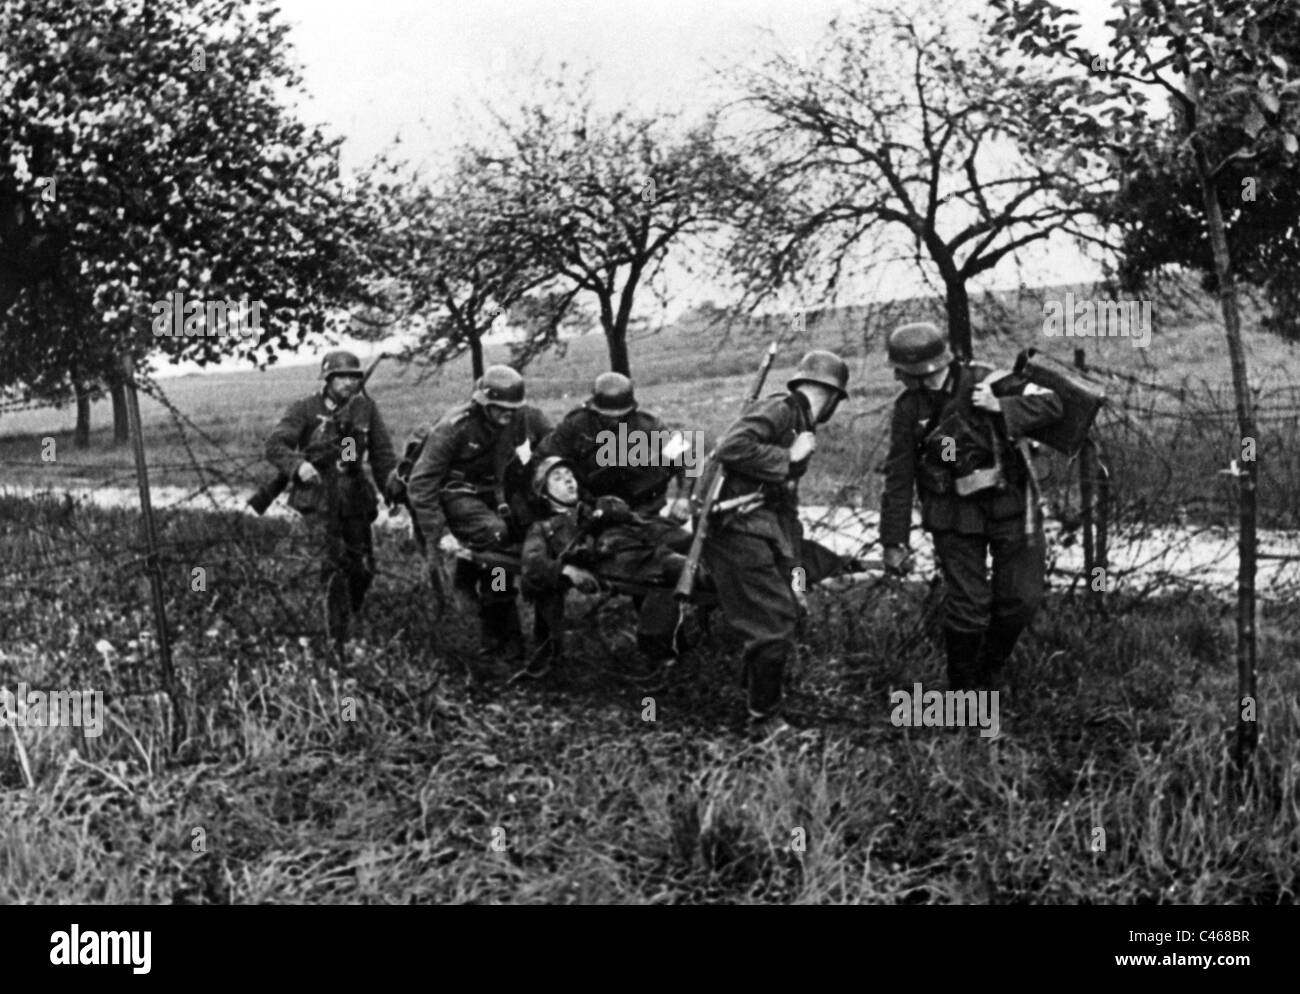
(1159, 206)
(1225, 78)
(145, 149)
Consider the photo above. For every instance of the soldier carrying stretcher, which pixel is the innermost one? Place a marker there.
(752, 554)
(471, 474)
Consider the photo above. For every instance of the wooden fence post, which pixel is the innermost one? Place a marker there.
(151, 546)
(1087, 478)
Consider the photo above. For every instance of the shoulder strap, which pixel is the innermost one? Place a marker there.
(948, 407)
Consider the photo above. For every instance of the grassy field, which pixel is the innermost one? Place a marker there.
(405, 780)
(1166, 454)
(280, 794)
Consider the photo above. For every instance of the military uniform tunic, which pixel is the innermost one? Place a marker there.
(343, 503)
(468, 469)
(967, 529)
(580, 440)
(472, 476)
(751, 558)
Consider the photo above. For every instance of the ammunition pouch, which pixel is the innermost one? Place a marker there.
(933, 480)
(979, 480)
(964, 454)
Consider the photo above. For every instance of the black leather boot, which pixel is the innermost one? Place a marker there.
(762, 679)
(999, 642)
(501, 639)
(963, 650)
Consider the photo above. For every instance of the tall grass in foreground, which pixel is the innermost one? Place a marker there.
(1118, 724)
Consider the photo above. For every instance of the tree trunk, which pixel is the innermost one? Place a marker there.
(121, 426)
(1087, 506)
(615, 337)
(958, 304)
(1247, 699)
(476, 353)
(81, 434)
(618, 361)
(618, 357)
(956, 300)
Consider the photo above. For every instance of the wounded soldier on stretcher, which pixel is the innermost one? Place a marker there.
(574, 541)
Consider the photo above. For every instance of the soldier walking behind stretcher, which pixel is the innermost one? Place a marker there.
(320, 444)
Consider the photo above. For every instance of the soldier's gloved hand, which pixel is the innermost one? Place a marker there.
(805, 443)
(680, 510)
(307, 473)
(613, 510)
(580, 578)
(898, 560)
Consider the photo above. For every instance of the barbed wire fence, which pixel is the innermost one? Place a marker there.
(1163, 501)
(1164, 521)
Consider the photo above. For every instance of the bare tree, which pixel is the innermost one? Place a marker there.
(602, 199)
(449, 258)
(895, 128)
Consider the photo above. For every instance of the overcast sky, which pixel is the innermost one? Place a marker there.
(412, 69)
(401, 67)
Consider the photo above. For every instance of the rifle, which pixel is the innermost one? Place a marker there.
(686, 584)
(272, 486)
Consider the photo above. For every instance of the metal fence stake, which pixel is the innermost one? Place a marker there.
(151, 555)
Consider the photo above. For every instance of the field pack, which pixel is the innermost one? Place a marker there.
(1080, 402)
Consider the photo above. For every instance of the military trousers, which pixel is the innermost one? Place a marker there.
(1006, 596)
(478, 526)
(656, 628)
(347, 557)
(752, 574)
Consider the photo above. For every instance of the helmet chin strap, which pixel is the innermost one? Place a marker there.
(561, 503)
(828, 408)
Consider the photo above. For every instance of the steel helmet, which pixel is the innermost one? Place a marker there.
(918, 349)
(825, 368)
(612, 394)
(499, 386)
(340, 363)
(543, 472)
